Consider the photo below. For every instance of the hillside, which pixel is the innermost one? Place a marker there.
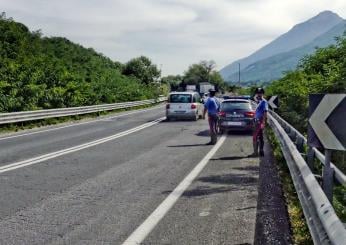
(273, 67)
(39, 72)
(300, 35)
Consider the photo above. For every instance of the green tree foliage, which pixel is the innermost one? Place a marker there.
(204, 71)
(322, 72)
(38, 72)
(172, 81)
(143, 69)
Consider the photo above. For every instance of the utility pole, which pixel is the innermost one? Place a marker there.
(239, 73)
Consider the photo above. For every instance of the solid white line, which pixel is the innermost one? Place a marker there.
(138, 236)
(56, 154)
(77, 124)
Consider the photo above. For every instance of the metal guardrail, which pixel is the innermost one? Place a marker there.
(14, 117)
(300, 141)
(324, 225)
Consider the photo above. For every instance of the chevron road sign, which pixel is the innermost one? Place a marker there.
(273, 102)
(327, 121)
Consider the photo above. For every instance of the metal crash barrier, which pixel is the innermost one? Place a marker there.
(23, 116)
(324, 225)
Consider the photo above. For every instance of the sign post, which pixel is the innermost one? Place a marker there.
(327, 130)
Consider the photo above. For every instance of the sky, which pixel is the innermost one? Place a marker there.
(172, 33)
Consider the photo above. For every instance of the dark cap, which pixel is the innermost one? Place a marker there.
(259, 91)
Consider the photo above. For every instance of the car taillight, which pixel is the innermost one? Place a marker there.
(250, 114)
(193, 106)
(167, 106)
(222, 114)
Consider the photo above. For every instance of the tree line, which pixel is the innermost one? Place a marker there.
(39, 72)
(201, 72)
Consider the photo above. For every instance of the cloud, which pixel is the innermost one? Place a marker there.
(174, 33)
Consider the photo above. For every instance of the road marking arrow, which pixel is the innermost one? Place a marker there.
(271, 102)
(318, 121)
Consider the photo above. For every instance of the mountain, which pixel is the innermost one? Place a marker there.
(273, 67)
(300, 35)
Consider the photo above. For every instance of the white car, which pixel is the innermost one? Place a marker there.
(184, 105)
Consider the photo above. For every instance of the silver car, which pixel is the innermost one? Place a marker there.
(184, 105)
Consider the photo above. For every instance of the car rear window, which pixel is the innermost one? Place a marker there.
(235, 105)
(180, 98)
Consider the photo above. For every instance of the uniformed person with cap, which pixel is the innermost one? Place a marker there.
(212, 106)
(260, 119)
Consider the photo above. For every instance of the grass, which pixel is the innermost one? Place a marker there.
(339, 202)
(299, 229)
(16, 127)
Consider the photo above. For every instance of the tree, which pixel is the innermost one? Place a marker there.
(143, 69)
(204, 71)
(172, 81)
(38, 72)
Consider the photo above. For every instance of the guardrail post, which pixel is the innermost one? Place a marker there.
(300, 144)
(328, 176)
(310, 158)
(293, 135)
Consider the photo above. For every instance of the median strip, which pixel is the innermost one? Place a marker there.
(66, 151)
(138, 236)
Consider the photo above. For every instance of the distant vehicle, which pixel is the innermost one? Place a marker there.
(191, 88)
(184, 105)
(246, 97)
(236, 115)
(205, 87)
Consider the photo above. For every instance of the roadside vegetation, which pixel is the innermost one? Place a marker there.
(204, 71)
(321, 72)
(299, 229)
(38, 72)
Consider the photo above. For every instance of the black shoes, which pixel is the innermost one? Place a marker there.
(211, 143)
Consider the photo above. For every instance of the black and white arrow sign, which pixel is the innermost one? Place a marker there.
(273, 102)
(327, 121)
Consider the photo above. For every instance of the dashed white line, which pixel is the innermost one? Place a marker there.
(138, 236)
(76, 124)
(51, 155)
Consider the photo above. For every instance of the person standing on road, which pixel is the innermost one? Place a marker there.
(212, 106)
(260, 119)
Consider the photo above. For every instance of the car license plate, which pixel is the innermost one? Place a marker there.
(180, 111)
(234, 123)
(234, 115)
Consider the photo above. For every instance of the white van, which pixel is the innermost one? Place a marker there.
(184, 105)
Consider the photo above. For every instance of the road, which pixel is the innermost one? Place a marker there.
(63, 185)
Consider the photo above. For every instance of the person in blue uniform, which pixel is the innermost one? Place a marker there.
(212, 106)
(260, 119)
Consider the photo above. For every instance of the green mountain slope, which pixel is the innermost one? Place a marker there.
(301, 34)
(273, 67)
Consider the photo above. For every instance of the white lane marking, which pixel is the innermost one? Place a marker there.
(51, 155)
(77, 124)
(138, 236)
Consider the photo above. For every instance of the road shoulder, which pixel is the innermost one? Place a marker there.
(272, 222)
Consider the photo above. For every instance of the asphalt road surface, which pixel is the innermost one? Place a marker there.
(130, 177)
